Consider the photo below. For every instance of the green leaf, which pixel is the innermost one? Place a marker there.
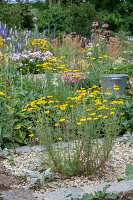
(87, 196)
(125, 178)
(18, 139)
(105, 188)
(129, 169)
(112, 196)
(52, 185)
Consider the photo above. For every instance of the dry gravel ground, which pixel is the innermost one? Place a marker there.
(114, 168)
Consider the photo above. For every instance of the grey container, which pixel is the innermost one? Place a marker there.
(114, 80)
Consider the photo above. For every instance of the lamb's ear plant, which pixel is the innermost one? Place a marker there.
(128, 139)
(41, 179)
(99, 195)
(128, 172)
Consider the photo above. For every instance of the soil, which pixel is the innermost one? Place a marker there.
(125, 197)
(8, 186)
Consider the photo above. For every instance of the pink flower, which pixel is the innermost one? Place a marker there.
(105, 25)
(77, 76)
(84, 77)
(95, 24)
(74, 81)
(20, 64)
(106, 31)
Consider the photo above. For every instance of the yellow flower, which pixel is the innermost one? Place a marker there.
(47, 112)
(108, 93)
(99, 115)
(83, 120)
(49, 96)
(122, 114)
(111, 113)
(114, 68)
(56, 124)
(62, 120)
(89, 118)
(89, 109)
(116, 88)
(95, 118)
(9, 108)
(38, 121)
(31, 135)
(78, 123)
(105, 101)
(59, 138)
(92, 114)
(71, 106)
(18, 126)
(63, 107)
(29, 127)
(2, 93)
(104, 117)
(23, 110)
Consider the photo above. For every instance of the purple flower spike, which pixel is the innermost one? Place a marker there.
(52, 36)
(95, 24)
(16, 49)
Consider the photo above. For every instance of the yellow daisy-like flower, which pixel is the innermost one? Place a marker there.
(108, 93)
(2, 93)
(116, 88)
(63, 107)
(83, 120)
(122, 114)
(95, 118)
(29, 127)
(92, 114)
(31, 135)
(62, 120)
(47, 112)
(104, 117)
(23, 110)
(9, 108)
(56, 124)
(59, 138)
(99, 115)
(89, 118)
(78, 123)
(18, 126)
(112, 113)
(38, 121)
(49, 96)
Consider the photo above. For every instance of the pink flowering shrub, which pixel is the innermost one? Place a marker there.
(75, 80)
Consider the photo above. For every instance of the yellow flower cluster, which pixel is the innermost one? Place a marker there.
(97, 109)
(39, 45)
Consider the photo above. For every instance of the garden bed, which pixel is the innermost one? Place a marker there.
(114, 168)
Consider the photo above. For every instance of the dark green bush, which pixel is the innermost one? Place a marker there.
(16, 15)
(73, 18)
(57, 17)
(82, 16)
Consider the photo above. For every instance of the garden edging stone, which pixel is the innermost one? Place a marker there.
(119, 188)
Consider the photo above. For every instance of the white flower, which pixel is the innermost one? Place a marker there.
(89, 54)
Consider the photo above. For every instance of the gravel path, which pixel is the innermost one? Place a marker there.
(114, 168)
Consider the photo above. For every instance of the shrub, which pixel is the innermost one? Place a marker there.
(71, 132)
(75, 17)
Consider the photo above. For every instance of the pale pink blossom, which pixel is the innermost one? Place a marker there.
(105, 25)
(95, 24)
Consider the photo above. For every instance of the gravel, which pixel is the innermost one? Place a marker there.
(114, 168)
